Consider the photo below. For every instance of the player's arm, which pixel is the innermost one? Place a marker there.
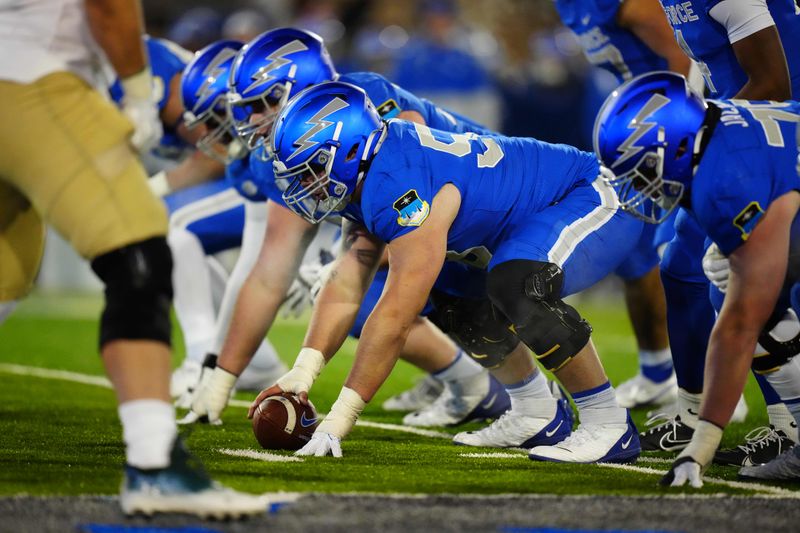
(411, 116)
(415, 260)
(117, 26)
(285, 241)
(757, 271)
(646, 20)
(758, 49)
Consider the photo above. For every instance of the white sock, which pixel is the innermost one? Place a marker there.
(781, 417)
(149, 430)
(689, 407)
(462, 367)
(655, 357)
(599, 406)
(6, 309)
(194, 305)
(532, 396)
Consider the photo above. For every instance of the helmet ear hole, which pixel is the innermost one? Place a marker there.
(352, 153)
(683, 148)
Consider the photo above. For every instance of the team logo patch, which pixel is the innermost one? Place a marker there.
(388, 109)
(746, 220)
(411, 209)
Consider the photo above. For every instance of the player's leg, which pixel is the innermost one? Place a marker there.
(644, 298)
(90, 187)
(562, 250)
(21, 245)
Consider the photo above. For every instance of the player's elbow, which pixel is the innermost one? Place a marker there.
(769, 87)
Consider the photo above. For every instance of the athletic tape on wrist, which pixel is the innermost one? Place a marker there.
(311, 361)
(221, 378)
(343, 414)
(138, 86)
(704, 444)
(159, 185)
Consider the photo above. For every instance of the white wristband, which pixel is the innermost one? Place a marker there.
(704, 444)
(139, 86)
(310, 360)
(343, 414)
(159, 185)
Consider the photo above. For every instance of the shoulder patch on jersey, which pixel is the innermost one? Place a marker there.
(747, 218)
(388, 109)
(411, 209)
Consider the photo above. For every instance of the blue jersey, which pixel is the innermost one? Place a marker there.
(606, 44)
(502, 181)
(390, 100)
(706, 41)
(167, 60)
(748, 163)
(241, 177)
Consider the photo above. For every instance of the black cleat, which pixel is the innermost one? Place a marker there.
(761, 446)
(666, 434)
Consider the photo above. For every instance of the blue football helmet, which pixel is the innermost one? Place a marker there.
(270, 69)
(646, 133)
(322, 142)
(204, 89)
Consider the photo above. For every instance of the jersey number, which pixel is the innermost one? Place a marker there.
(768, 116)
(461, 146)
(704, 70)
(610, 54)
(477, 256)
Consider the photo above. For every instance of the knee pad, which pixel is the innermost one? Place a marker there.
(476, 326)
(529, 294)
(138, 290)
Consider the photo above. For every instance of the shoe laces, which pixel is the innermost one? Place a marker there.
(579, 437)
(759, 438)
(502, 425)
(660, 421)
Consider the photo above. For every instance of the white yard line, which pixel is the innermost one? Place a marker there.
(261, 456)
(101, 381)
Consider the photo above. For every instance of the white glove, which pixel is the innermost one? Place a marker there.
(716, 268)
(322, 444)
(159, 184)
(302, 375)
(695, 458)
(298, 298)
(684, 470)
(322, 278)
(139, 106)
(211, 398)
(339, 422)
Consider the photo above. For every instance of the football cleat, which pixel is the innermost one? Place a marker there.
(515, 430)
(761, 446)
(667, 434)
(640, 391)
(184, 379)
(422, 394)
(184, 487)
(463, 401)
(785, 467)
(594, 443)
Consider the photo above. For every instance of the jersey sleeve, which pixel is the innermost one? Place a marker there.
(390, 100)
(394, 207)
(264, 179)
(741, 18)
(728, 210)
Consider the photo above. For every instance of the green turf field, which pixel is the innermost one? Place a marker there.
(59, 436)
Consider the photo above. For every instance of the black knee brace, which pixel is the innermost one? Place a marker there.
(778, 352)
(138, 290)
(476, 326)
(528, 293)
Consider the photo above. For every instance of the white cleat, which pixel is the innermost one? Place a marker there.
(184, 379)
(184, 487)
(423, 393)
(640, 390)
(514, 430)
(740, 413)
(480, 397)
(594, 443)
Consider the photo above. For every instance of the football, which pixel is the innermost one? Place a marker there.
(281, 422)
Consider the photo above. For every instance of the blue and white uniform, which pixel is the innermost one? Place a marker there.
(520, 199)
(620, 52)
(390, 100)
(707, 40)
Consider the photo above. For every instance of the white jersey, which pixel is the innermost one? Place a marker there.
(39, 37)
